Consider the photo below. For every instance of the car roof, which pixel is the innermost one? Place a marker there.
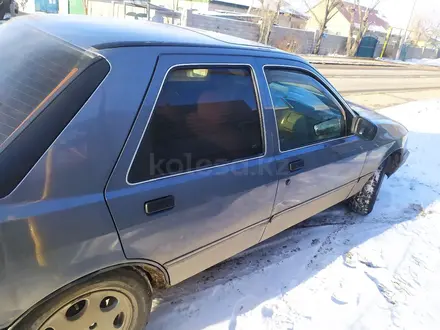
(101, 33)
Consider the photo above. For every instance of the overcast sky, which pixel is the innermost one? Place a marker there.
(397, 11)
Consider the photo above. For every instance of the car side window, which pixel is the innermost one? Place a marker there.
(306, 113)
(204, 116)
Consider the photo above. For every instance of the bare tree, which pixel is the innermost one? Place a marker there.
(435, 35)
(420, 30)
(269, 12)
(330, 10)
(425, 29)
(364, 13)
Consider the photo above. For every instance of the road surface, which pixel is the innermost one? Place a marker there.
(379, 87)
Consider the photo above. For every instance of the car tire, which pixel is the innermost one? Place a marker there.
(120, 299)
(363, 202)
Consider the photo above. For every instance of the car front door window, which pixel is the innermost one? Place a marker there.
(306, 113)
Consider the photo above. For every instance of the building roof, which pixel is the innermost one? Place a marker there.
(376, 22)
(90, 32)
(158, 9)
(285, 7)
(230, 14)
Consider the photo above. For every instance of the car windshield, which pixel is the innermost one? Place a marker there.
(34, 68)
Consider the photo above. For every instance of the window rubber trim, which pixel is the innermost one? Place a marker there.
(22, 153)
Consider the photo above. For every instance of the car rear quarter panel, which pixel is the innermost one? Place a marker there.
(55, 226)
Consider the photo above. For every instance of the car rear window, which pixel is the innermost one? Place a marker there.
(34, 68)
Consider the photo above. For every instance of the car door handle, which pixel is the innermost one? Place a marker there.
(296, 165)
(159, 205)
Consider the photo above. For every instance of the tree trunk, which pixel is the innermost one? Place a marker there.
(86, 6)
(356, 44)
(331, 9)
(318, 42)
(353, 46)
(350, 32)
(321, 32)
(262, 29)
(362, 32)
(269, 19)
(273, 20)
(267, 33)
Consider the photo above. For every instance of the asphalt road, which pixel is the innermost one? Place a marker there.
(379, 87)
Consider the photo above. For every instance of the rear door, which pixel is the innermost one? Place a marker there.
(195, 183)
(318, 158)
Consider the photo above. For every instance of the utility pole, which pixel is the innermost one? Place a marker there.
(403, 40)
(385, 44)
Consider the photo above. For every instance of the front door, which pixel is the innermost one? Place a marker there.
(319, 161)
(194, 184)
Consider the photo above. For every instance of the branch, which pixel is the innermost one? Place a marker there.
(368, 12)
(327, 5)
(376, 4)
(334, 4)
(334, 12)
(250, 7)
(359, 13)
(313, 13)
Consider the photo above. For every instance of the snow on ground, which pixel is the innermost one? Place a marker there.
(414, 61)
(337, 270)
(425, 61)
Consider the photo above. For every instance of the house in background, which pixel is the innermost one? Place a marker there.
(235, 9)
(53, 6)
(239, 9)
(340, 23)
(155, 10)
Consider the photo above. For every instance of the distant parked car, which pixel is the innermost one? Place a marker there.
(135, 155)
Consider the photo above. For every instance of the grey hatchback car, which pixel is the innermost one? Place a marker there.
(135, 155)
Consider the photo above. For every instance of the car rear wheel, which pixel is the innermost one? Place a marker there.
(363, 202)
(117, 300)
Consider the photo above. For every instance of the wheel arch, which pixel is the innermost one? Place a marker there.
(393, 161)
(154, 274)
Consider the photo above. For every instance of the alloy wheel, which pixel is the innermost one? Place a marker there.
(100, 310)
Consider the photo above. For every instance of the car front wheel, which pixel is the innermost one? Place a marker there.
(363, 202)
(117, 300)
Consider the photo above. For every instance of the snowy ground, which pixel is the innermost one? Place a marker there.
(425, 61)
(415, 61)
(337, 270)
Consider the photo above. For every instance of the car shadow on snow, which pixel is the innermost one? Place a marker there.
(274, 267)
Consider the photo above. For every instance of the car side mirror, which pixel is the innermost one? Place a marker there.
(364, 128)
